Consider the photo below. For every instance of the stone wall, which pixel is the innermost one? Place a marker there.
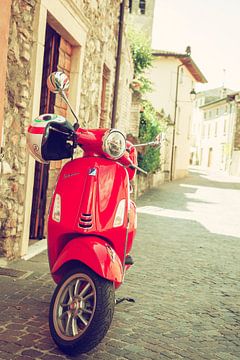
(142, 22)
(142, 183)
(16, 119)
(4, 32)
(100, 49)
(124, 119)
(101, 46)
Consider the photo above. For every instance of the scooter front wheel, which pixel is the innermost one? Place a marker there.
(81, 311)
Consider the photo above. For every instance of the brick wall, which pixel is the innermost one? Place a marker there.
(135, 114)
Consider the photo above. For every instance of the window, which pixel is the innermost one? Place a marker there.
(217, 112)
(222, 153)
(205, 131)
(142, 6)
(130, 6)
(210, 157)
(225, 127)
(201, 156)
(216, 128)
(209, 130)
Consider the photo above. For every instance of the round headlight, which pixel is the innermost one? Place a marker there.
(114, 144)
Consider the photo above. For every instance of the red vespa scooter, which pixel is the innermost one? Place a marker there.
(91, 223)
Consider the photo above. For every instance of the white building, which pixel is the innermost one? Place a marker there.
(174, 76)
(215, 131)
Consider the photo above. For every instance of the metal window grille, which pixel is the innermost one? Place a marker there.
(130, 6)
(142, 6)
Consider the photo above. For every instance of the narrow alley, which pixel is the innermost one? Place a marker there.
(185, 283)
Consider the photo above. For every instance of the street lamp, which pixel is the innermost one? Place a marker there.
(193, 94)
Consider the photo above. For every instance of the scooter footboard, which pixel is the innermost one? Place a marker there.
(94, 252)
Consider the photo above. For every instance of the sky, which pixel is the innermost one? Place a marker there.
(211, 28)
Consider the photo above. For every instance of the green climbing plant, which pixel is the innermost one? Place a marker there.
(142, 60)
(151, 124)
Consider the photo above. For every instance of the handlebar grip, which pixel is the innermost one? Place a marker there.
(138, 168)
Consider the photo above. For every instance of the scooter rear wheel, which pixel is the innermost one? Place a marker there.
(81, 311)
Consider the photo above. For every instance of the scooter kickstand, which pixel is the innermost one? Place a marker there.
(119, 300)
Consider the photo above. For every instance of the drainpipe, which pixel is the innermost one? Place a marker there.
(174, 122)
(118, 63)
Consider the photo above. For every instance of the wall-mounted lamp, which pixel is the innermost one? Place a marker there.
(193, 94)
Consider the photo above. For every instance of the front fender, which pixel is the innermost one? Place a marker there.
(94, 252)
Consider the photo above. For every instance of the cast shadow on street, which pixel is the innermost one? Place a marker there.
(177, 194)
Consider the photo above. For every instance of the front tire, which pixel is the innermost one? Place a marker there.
(81, 311)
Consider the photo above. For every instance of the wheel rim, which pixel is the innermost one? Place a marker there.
(74, 306)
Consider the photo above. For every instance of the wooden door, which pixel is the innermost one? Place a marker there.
(50, 63)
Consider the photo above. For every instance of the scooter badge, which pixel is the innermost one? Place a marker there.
(92, 172)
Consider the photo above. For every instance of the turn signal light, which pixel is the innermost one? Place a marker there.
(56, 214)
(119, 217)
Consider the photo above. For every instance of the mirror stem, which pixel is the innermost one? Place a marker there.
(63, 95)
(146, 144)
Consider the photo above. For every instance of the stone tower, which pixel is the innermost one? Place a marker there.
(141, 16)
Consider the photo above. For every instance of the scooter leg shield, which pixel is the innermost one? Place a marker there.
(95, 253)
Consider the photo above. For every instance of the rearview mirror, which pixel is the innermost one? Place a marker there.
(57, 82)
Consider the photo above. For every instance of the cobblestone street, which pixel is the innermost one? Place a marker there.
(185, 282)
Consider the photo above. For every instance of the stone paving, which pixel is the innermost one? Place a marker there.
(185, 282)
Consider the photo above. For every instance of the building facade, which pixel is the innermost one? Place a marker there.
(215, 131)
(173, 77)
(217, 134)
(140, 17)
(80, 38)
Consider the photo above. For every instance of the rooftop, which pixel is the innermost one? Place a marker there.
(185, 60)
(217, 95)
